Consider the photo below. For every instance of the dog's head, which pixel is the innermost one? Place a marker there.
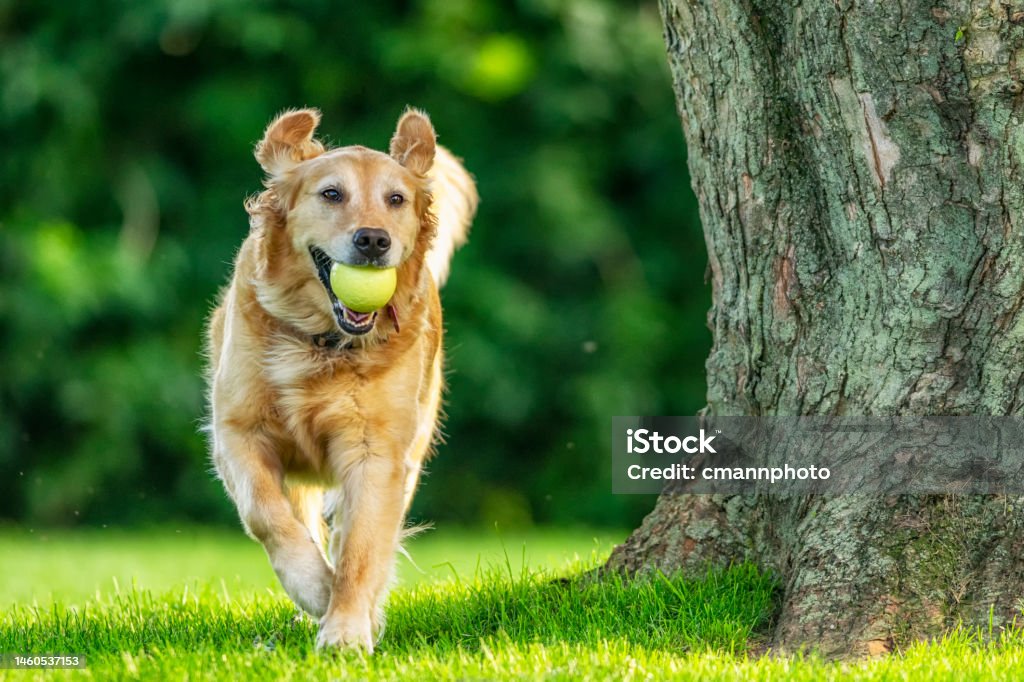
(350, 205)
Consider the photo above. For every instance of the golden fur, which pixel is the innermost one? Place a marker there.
(290, 419)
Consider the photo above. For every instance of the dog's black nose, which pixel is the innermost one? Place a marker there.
(371, 242)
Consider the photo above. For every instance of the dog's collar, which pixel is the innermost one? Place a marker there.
(332, 340)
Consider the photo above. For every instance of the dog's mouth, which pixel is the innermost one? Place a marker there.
(349, 320)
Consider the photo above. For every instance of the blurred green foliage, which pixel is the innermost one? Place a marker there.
(127, 130)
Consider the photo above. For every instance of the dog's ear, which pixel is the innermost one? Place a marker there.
(414, 142)
(289, 141)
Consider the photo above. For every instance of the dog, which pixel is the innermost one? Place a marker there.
(309, 399)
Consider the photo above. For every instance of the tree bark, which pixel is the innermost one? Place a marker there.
(858, 168)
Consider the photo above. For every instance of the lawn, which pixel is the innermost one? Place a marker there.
(182, 603)
(40, 567)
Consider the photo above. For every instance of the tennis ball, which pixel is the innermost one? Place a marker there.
(362, 288)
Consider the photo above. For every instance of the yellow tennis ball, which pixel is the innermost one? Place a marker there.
(362, 288)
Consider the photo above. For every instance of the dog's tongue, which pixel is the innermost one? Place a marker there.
(358, 318)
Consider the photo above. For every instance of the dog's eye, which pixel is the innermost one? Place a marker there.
(331, 194)
(396, 199)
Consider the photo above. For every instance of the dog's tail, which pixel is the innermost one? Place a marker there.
(454, 205)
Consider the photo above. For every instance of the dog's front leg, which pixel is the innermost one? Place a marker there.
(363, 549)
(253, 478)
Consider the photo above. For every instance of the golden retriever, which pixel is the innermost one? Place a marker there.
(309, 398)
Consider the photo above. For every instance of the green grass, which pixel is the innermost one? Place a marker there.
(40, 567)
(205, 606)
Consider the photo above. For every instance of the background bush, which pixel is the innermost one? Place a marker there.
(127, 130)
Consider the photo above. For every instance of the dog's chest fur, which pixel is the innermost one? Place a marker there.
(327, 403)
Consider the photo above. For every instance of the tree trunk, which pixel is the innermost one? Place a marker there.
(859, 172)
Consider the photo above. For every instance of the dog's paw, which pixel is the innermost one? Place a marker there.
(314, 597)
(350, 632)
(306, 578)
